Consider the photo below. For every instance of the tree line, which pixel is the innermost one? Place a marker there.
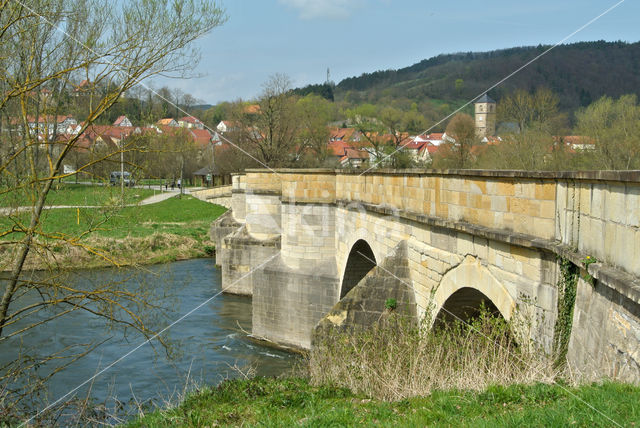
(606, 136)
(285, 129)
(578, 73)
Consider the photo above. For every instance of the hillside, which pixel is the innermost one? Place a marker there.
(579, 73)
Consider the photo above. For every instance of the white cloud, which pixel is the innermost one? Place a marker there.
(310, 9)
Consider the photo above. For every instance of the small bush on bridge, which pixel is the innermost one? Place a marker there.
(390, 304)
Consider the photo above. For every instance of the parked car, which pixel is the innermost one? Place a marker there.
(114, 178)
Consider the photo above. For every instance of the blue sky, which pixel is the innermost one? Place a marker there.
(302, 38)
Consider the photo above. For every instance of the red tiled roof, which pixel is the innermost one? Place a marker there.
(189, 119)
(49, 119)
(202, 137)
(252, 109)
(165, 121)
(82, 85)
(119, 120)
(338, 148)
(356, 154)
(414, 145)
(434, 136)
(575, 139)
(111, 132)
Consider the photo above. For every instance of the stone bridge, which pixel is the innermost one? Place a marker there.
(318, 247)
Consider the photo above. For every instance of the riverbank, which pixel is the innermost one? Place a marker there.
(170, 230)
(397, 373)
(296, 402)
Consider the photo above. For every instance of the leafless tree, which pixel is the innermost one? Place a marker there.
(47, 47)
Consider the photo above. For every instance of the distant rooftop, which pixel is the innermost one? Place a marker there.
(485, 99)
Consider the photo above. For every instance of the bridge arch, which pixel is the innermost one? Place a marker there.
(360, 261)
(464, 288)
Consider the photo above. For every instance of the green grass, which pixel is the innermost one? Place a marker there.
(77, 194)
(294, 402)
(187, 216)
(174, 229)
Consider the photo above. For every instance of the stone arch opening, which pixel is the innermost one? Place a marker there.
(464, 305)
(464, 289)
(360, 261)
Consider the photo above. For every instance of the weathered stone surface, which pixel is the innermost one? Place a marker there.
(499, 232)
(241, 255)
(223, 226)
(605, 338)
(365, 304)
(288, 303)
(220, 195)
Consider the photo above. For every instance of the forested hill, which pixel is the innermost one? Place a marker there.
(579, 73)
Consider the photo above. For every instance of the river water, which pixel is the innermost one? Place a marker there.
(205, 347)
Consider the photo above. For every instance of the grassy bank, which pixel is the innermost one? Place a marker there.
(402, 373)
(77, 195)
(174, 229)
(295, 402)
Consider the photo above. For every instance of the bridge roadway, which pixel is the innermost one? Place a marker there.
(328, 247)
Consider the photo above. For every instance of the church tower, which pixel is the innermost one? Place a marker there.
(485, 116)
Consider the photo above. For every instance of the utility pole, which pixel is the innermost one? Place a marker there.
(181, 175)
(121, 169)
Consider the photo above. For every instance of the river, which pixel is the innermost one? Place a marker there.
(204, 347)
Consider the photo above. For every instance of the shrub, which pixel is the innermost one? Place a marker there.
(397, 359)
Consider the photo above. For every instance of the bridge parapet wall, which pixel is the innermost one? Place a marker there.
(238, 199)
(308, 220)
(220, 195)
(598, 213)
(501, 200)
(263, 215)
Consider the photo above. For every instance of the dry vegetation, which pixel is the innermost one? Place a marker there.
(396, 359)
(129, 251)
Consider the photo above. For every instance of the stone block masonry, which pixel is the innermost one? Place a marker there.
(495, 234)
(220, 195)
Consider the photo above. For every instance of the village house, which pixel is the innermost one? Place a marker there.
(225, 126)
(169, 121)
(122, 121)
(576, 143)
(47, 124)
(345, 151)
(421, 151)
(190, 122)
(82, 87)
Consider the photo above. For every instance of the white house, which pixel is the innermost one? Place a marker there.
(122, 121)
(224, 126)
(47, 124)
(190, 122)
